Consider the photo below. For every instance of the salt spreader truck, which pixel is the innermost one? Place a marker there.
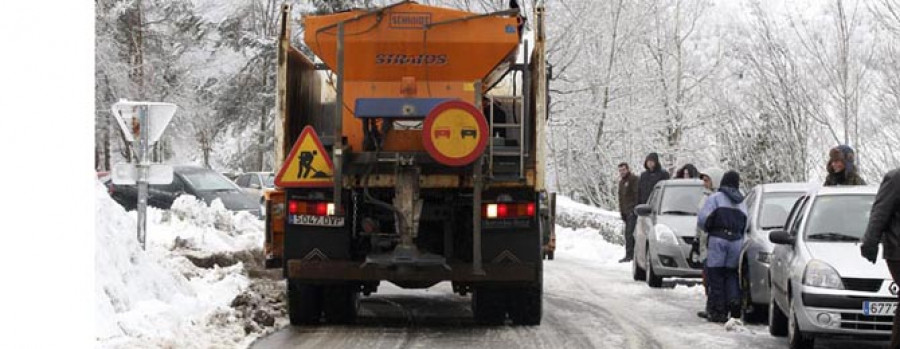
(410, 140)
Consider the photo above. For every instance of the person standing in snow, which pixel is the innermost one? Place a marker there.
(711, 180)
(724, 218)
(842, 167)
(884, 228)
(653, 174)
(628, 197)
(687, 171)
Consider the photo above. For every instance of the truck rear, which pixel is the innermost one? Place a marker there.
(411, 152)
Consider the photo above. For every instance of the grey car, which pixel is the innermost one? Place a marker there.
(665, 231)
(820, 286)
(768, 206)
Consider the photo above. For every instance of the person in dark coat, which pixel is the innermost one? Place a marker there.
(842, 167)
(628, 197)
(724, 218)
(653, 174)
(687, 171)
(884, 228)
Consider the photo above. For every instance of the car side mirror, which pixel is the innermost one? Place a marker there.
(781, 237)
(643, 210)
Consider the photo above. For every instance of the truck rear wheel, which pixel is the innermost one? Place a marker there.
(304, 303)
(488, 305)
(526, 305)
(340, 304)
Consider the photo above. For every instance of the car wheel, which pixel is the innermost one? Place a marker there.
(653, 280)
(778, 325)
(636, 271)
(753, 313)
(796, 338)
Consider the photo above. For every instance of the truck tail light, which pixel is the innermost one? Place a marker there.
(312, 208)
(508, 210)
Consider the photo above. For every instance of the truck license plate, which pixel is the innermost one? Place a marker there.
(318, 221)
(879, 308)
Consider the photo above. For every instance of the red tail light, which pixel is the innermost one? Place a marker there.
(311, 208)
(508, 210)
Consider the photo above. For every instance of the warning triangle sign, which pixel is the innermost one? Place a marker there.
(308, 164)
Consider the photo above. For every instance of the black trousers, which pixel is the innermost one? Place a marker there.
(894, 267)
(630, 223)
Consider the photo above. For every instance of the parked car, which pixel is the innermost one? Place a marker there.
(256, 184)
(768, 206)
(820, 286)
(665, 230)
(203, 183)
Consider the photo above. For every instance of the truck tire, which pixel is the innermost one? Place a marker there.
(488, 306)
(304, 303)
(526, 306)
(550, 255)
(340, 304)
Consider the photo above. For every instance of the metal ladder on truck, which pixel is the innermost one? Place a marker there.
(506, 161)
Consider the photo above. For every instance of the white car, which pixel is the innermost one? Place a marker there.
(819, 285)
(256, 183)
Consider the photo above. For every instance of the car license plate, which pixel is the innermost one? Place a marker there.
(879, 308)
(318, 221)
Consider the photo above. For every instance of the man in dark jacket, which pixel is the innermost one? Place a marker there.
(628, 197)
(724, 218)
(842, 167)
(653, 174)
(884, 227)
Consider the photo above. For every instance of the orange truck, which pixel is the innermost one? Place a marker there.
(411, 143)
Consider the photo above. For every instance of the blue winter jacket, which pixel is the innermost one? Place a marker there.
(724, 214)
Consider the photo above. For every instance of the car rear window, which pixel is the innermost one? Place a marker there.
(835, 216)
(269, 180)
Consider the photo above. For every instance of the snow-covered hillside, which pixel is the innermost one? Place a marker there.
(190, 288)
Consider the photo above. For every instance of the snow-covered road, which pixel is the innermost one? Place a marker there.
(590, 301)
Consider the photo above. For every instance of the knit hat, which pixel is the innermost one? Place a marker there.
(842, 153)
(731, 179)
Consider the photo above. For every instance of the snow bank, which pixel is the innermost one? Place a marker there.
(576, 215)
(587, 244)
(159, 297)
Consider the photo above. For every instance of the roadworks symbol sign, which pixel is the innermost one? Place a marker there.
(308, 164)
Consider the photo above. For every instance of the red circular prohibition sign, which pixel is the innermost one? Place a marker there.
(428, 140)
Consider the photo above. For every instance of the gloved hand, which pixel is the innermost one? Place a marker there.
(869, 252)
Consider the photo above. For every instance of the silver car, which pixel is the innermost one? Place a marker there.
(820, 286)
(768, 206)
(665, 230)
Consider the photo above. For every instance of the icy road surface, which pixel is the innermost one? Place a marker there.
(590, 301)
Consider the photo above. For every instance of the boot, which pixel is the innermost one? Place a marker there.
(702, 314)
(625, 260)
(734, 307)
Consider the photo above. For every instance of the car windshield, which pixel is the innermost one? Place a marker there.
(775, 208)
(209, 181)
(681, 200)
(269, 180)
(839, 217)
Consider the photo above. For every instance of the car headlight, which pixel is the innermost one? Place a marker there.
(665, 235)
(820, 274)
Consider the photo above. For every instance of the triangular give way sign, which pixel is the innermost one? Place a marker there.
(308, 164)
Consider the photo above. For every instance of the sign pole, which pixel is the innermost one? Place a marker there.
(142, 169)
